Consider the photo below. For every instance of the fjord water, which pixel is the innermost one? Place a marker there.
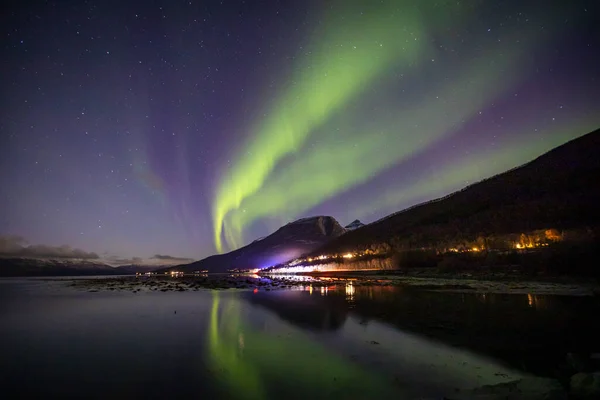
(336, 342)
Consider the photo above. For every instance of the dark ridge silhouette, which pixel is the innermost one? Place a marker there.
(560, 189)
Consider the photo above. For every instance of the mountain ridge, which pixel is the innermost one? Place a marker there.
(558, 189)
(289, 241)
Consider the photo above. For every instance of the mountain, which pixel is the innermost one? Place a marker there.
(559, 190)
(354, 225)
(16, 266)
(288, 242)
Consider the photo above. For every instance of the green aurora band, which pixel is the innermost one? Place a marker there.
(248, 359)
(468, 170)
(344, 58)
(336, 165)
(311, 147)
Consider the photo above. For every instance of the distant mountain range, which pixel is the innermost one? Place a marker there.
(288, 242)
(23, 266)
(16, 266)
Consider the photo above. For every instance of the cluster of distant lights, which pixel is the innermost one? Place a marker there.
(297, 265)
(455, 250)
(530, 245)
(171, 273)
(518, 246)
(532, 240)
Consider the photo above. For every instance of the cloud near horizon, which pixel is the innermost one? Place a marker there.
(171, 258)
(16, 246)
(114, 260)
(157, 259)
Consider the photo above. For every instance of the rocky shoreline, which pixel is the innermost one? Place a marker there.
(182, 283)
(252, 282)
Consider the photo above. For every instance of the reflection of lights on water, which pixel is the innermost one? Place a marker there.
(255, 290)
(310, 289)
(536, 301)
(530, 300)
(350, 290)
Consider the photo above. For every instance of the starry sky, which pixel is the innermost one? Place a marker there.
(177, 129)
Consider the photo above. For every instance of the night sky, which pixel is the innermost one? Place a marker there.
(183, 128)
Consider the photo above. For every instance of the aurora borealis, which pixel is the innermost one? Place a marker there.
(189, 128)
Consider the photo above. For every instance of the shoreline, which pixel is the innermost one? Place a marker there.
(481, 281)
(448, 283)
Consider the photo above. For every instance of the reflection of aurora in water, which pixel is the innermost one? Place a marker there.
(228, 362)
(265, 357)
(249, 362)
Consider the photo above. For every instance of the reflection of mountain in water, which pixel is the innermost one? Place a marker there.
(303, 310)
(250, 363)
(530, 331)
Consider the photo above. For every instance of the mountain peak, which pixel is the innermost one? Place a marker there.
(286, 243)
(326, 225)
(354, 225)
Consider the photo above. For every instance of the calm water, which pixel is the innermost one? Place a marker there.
(344, 342)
